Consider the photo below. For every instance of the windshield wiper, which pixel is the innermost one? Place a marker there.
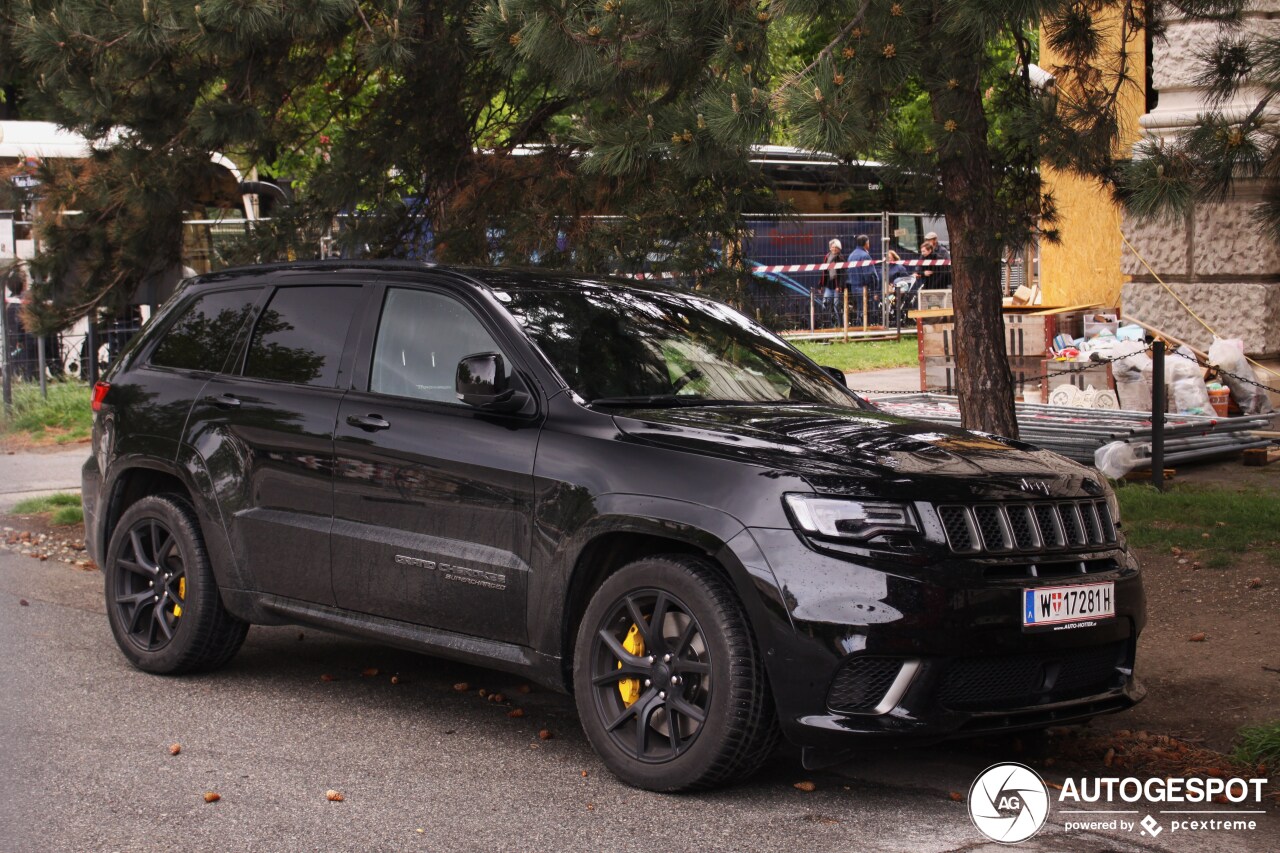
(655, 400)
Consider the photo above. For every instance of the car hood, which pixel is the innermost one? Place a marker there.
(864, 451)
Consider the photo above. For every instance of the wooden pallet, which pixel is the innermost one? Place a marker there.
(1256, 457)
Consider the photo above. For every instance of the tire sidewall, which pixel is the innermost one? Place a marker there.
(686, 769)
(175, 655)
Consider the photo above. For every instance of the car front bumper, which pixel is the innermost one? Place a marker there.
(924, 648)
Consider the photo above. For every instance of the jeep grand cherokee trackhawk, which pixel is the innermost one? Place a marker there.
(635, 494)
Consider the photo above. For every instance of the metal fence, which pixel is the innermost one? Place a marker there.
(788, 300)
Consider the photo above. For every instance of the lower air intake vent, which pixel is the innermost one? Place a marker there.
(861, 683)
(997, 683)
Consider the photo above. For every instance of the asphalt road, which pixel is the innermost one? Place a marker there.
(28, 475)
(85, 762)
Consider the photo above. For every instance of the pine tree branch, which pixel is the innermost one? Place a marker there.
(826, 52)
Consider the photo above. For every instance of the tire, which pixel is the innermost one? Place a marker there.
(183, 627)
(701, 719)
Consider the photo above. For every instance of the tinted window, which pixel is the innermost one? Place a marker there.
(300, 335)
(421, 339)
(199, 340)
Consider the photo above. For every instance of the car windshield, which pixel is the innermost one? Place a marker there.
(622, 347)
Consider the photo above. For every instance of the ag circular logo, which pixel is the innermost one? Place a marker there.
(1008, 803)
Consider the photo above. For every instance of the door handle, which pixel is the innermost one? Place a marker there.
(369, 423)
(225, 401)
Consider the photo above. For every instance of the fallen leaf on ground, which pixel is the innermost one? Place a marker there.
(333, 796)
(24, 602)
(462, 687)
(806, 785)
(371, 672)
(1254, 583)
(327, 677)
(175, 748)
(1054, 785)
(516, 712)
(545, 734)
(1198, 637)
(956, 796)
(211, 796)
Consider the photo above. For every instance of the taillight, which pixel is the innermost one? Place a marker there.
(100, 390)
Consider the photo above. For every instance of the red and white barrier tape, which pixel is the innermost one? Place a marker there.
(841, 265)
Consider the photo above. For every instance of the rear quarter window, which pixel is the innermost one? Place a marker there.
(201, 337)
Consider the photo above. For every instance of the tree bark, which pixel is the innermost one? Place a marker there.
(984, 382)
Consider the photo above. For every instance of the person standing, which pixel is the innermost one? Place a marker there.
(861, 278)
(21, 346)
(941, 275)
(829, 282)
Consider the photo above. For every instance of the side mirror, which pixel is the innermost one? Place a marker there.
(481, 381)
(837, 374)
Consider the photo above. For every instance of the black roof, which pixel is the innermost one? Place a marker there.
(494, 278)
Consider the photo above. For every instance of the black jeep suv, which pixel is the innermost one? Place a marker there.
(633, 493)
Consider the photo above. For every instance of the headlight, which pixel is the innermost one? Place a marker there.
(849, 518)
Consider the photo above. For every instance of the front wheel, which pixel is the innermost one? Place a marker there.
(668, 679)
(162, 599)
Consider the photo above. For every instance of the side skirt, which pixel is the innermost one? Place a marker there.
(508, 657)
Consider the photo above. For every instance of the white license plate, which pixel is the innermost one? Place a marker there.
(1053, 607)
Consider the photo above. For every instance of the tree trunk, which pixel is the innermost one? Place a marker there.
(983, 379)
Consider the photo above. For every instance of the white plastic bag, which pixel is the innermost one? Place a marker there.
(1115, 459)
(1185, 379)
(1228, 357)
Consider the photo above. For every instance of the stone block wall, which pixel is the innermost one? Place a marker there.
(1214, 259)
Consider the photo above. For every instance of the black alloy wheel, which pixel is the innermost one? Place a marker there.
(162, 599)
(651, 676)
(151, 587)
(668, 680)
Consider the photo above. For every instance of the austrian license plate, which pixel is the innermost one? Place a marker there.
(1057, 608)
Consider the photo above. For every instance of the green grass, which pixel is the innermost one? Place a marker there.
(1223, 521)
(1259, 745)
(861, 355)
(63, 418)
(62, 508)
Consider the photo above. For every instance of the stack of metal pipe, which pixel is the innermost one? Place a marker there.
(1077, 433)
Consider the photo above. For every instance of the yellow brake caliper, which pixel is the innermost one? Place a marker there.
(630, 687)
(182, 594)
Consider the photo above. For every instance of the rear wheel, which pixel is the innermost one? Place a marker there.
(668, 680)
(162, 599)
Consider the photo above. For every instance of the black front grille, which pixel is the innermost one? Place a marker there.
(1028, 527)
(1015, 681)
(955, 520)
(861, 683)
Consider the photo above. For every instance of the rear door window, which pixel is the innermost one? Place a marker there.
(421, 338)
(201, 338)
(300, 335)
